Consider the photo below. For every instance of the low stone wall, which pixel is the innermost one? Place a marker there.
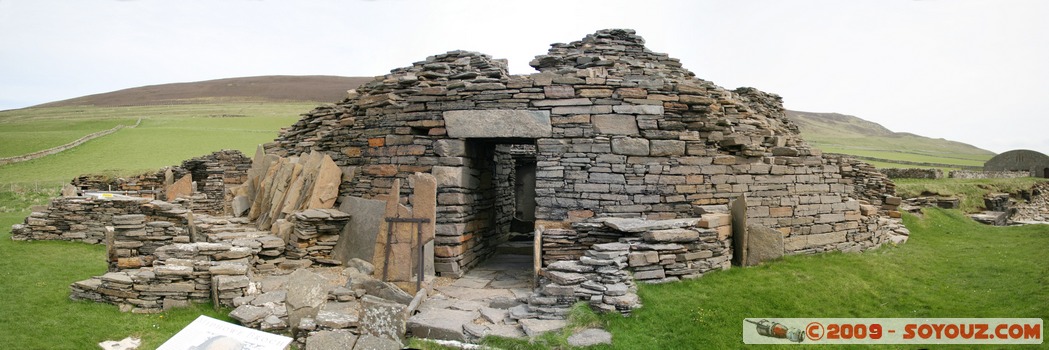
(146, 185)
(659, 251)
(181, 272)
(650, 251)
(134, 241)
(912, 173)
(213, 174)
(84, 219)
(968, 174)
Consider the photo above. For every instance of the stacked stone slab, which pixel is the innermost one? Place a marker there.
(181, 272)
(649, 251)
(569, 244)
(214, 173)
(619, 131)
(135, 241)
(266, 247)
(84, 219)
(864, 182)
(315, 233)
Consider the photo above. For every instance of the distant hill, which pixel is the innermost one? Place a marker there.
(281, 88)
(840, 133)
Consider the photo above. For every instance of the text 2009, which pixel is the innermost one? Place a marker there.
(844, 331)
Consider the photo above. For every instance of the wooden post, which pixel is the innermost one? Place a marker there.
(537, 255)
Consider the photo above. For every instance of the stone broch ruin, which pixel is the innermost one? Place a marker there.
(621, 164)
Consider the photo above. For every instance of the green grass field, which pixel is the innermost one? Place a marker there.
(23, 137)
(909, 156)
(167, 136)
(970, 191)
(35, 310)
(951, 267)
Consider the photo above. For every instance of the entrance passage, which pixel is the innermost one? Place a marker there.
(486, 184)
(512, 164)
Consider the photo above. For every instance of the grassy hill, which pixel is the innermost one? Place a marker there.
(846, 134)
(179, 121)
(273, 88)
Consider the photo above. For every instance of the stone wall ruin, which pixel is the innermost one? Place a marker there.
(619, 131)
(623, 162)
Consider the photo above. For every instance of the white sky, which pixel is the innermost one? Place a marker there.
(971, 71)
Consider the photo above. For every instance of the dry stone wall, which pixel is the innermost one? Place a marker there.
(648, 251)
(213, 174)
(912, 173)
(619, 131)
(84, 219)
(968, 174)
(148, 185)
(57, 149)
(181, 273)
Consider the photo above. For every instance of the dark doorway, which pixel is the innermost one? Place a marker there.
(498, 206)
(1045, 173)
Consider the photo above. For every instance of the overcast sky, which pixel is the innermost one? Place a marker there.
(971, 71)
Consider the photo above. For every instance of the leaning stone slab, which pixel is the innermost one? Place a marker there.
(763, 244)
(325, 340)
(569, 266)
(334, 314)
(247, 314)
(384, 290)
(799, 242)
(326, 186)
(590, 337)
(642, 225)
(371, 342)
(306, 292)
(533, 327)
(358, 236)
(181, 188)
(564, 278)
(441, 324)
(382, 318)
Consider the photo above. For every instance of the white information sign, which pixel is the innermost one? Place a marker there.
(206, 333)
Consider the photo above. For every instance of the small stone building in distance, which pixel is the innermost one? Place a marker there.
(605, 128)
(1020, 160)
